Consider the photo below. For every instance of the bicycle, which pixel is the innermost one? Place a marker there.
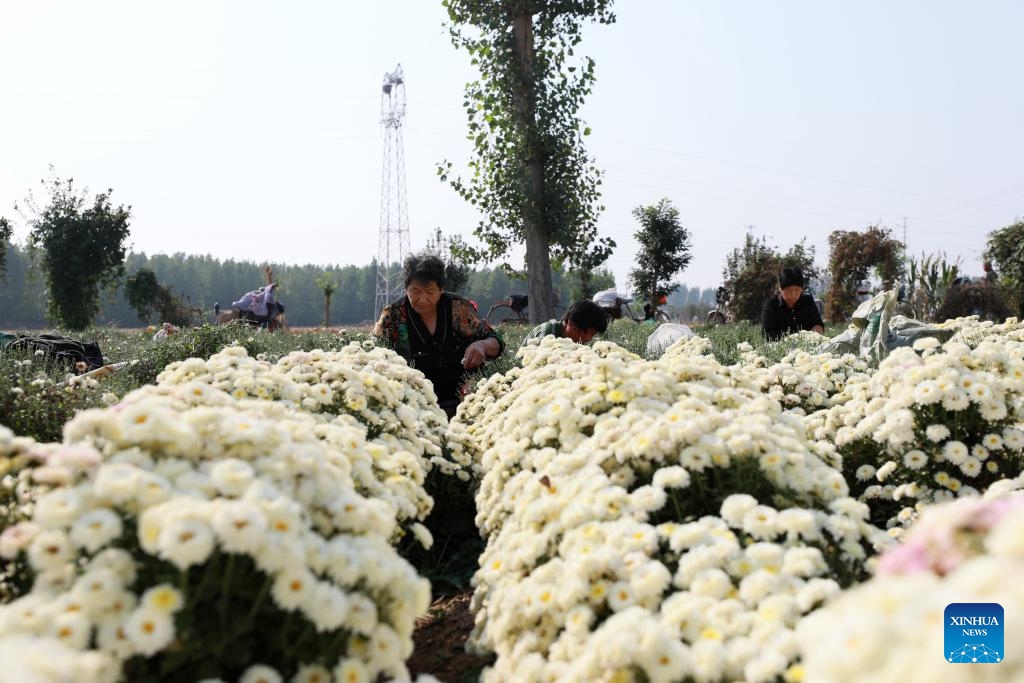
(720, 315)
(622, 306)
(517, 304)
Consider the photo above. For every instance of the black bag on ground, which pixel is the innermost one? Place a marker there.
(61, 349)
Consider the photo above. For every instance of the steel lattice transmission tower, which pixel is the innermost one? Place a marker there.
(393, 240)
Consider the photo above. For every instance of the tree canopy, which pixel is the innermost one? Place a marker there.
(530, 175)
(853, 256)
(664, 250)
(79, 247)
(1006, 248)
(751, 273)
(6, 232)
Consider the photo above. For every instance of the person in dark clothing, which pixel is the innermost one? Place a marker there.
(437, 332)
(791, 310)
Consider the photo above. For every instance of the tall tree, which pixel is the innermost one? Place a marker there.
(530, 175)
(328, 285)
(664, 250)
(1006, 247)
(5, 236)
(80, 248)
(853, 256)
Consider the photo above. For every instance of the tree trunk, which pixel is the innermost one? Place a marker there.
(327, 310)
(538, 256)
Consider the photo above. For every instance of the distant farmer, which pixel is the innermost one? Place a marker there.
(990, 275)
(581, 323)
(437, 332)
(791, 310)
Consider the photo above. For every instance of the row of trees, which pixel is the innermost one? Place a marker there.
(202, 281)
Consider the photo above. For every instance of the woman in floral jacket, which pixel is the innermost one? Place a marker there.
(437, 332)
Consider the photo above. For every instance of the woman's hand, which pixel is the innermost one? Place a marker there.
(477, 353)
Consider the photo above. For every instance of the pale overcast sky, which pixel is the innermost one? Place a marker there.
(250, 130)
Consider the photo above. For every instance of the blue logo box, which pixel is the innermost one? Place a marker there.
(974, 633)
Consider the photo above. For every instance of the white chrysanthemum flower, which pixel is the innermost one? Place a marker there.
(672, 477)
(735, 507)
(865, 472)
(293, 588)
(163, 598)
(761, 522)
(117, 482)
(362, 614)
(937, 432)
(232, 477)
(351, 670)
(422, 535)
(971, 466)
(648, 498)
(185, 542)
(328, 607)
(1013, 438)
(149, 631)
(72, 629)
(885, 470)
(915, 459)
(97, 590)
(50, 550)
(312, 673)
(956, 401)
(992, 442)
(117, 560)
(58, 509)
(240, 526)
(260, 673)
(621, 596)
(955, 452)
(96, 528)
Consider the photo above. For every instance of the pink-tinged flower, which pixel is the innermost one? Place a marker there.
(990, 512)
(16, 538)
(910, 557)
(76, 456)
(52, 475)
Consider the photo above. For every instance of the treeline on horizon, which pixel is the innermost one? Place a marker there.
(204, 280)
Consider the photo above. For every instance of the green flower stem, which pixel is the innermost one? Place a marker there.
(225, 588)
(260, 597)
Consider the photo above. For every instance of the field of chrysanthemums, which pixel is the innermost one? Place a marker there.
(266, 507)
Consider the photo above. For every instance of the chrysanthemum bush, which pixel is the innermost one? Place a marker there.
(370, 384)
(802, 380)
(367, 390)
(659, 520)
(214, 535)
(37, 395)
(933, 422)
(891, 628)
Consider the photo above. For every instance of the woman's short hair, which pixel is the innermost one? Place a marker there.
(790, 277)
(587, 315)
(424, 268)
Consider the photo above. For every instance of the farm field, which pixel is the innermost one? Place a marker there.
(245, 506)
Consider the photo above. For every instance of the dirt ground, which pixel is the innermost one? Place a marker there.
(440, 641)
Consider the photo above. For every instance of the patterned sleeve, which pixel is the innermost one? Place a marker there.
(386, 329)
(470, 326)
